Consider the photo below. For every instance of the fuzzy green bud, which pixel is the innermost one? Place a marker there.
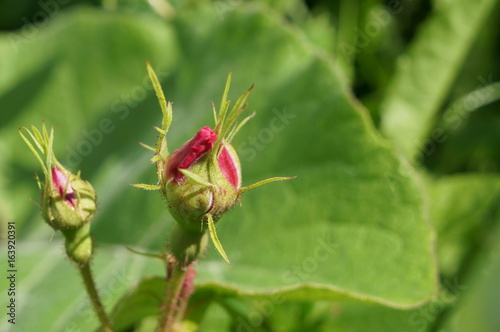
(67, 200)
(68, 203)
(198, 180)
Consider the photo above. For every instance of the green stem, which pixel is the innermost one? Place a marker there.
(185, 247)
(173, 288)
(185, 294)
(94, 297)
(181, 310)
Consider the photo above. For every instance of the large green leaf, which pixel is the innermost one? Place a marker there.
(351, 224)
(341, 198)
(426, 72)
(464, 209)
(276, 314)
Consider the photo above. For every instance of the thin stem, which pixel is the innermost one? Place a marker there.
(185, 294)
(94, 297)
(175, 281)
(185, 247)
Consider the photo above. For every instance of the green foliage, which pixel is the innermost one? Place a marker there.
(361, 240)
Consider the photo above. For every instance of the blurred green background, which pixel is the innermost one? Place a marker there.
(386, 111)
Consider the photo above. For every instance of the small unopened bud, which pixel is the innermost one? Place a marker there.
(67, 200)
(68, 203)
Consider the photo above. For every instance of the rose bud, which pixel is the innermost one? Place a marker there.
(68, 203)
(67, 200)
(209, 187)
(202, 179)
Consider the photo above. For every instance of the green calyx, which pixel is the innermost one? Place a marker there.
(204, 190)
(59, 214)
(190, 201)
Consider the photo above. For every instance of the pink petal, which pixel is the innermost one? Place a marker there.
(229, 166)
(60, 180)
(189, 153)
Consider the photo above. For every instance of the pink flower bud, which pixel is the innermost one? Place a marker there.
(60, 182)
(211, 187)
(202, 179)
(67, 202)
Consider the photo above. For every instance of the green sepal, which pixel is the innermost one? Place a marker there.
(266, 181)
(32, 148)
(150, 148)
(146, 186)
(213, 236)
(146, 254)
(226, 125)
(196, 178)
(165, 107)
(237, 128)
(161, 151)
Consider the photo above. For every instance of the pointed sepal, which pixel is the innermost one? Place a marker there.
(146, 186)
(266, 181)
(213, 236)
